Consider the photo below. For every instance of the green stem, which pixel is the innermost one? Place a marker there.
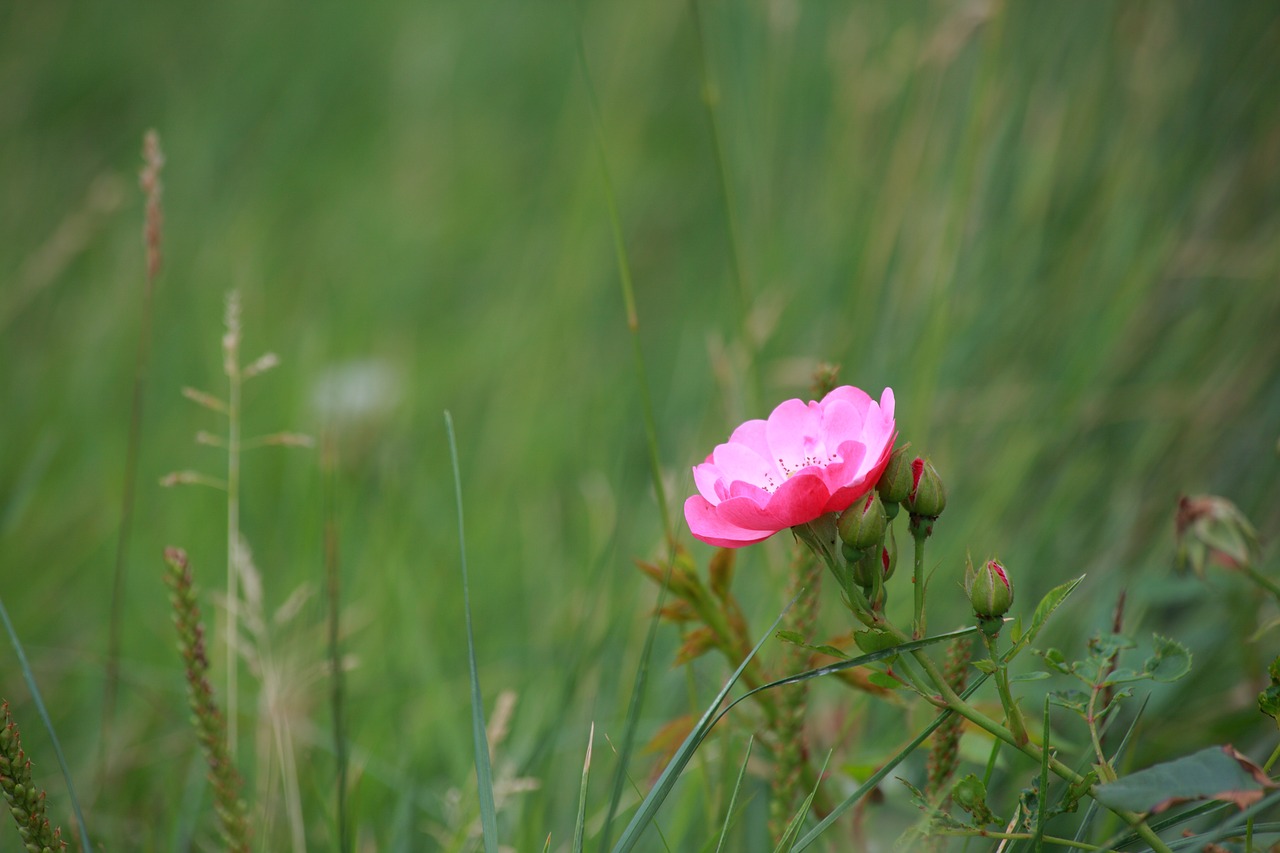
(919, 533)
(1263, 581)
(1013, 714)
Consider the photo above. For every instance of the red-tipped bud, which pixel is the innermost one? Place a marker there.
(988, 589)
(928, 495)
(862, 525)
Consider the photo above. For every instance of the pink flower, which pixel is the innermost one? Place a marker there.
(807, 459)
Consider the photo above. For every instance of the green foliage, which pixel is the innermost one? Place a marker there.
(1051, 229)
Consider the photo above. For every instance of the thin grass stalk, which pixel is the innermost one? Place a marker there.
(733, 798)
(153, 235)
(484, 772)
(30, 678)
(231, 366)
(329, 460)
(640, 682)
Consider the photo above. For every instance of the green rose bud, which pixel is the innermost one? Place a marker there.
(890, 554)
(988, 589)
(865, 569)
(862, 525)
(895, 483)
(928, 496)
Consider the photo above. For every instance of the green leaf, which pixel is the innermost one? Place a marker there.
(1029, 676)
(1072, 700)
(796, 639)
(984, 665)
(873, 641)
(1170, 661)
(1056, 660)
(1123, 675)
(879, 679)
(1050, 603)
(1215, 773)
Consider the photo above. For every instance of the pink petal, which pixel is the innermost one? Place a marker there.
(887, 404)
(794, 430)
(848, 394)
(752, 434)
(798, 500)
(706, 526)
(843, 497)
(842, 421)
(710, 481)
(741, 462)
(853, 462)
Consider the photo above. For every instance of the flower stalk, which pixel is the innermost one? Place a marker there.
(211, 725)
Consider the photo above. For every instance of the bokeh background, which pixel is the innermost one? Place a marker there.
(1051, 228)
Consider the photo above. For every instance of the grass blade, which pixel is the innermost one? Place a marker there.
(484, 773)
(733, 798)
(581, 822)
(48, 725)
(649, 806)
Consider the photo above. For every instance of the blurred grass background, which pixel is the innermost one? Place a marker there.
(1050, 228)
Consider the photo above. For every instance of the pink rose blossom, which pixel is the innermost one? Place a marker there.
(806, 460)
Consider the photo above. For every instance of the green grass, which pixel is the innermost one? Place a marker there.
(1051, 231)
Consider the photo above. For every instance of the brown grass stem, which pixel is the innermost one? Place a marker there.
(153, 240)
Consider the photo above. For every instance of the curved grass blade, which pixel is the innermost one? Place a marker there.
(484, 773)
(581, 822)
(788, 840)
(733, 798)
(48, 725)
(861, 660)
(667, 780)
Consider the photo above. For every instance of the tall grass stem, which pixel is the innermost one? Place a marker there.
(484, 773)
(329, 463)
(153, 236)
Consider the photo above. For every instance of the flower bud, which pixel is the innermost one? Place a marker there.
(862, 525)
(928, 496)
(864, 570)
(895, 483)
(1212, 529)
(988, 589)
(889, 556)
